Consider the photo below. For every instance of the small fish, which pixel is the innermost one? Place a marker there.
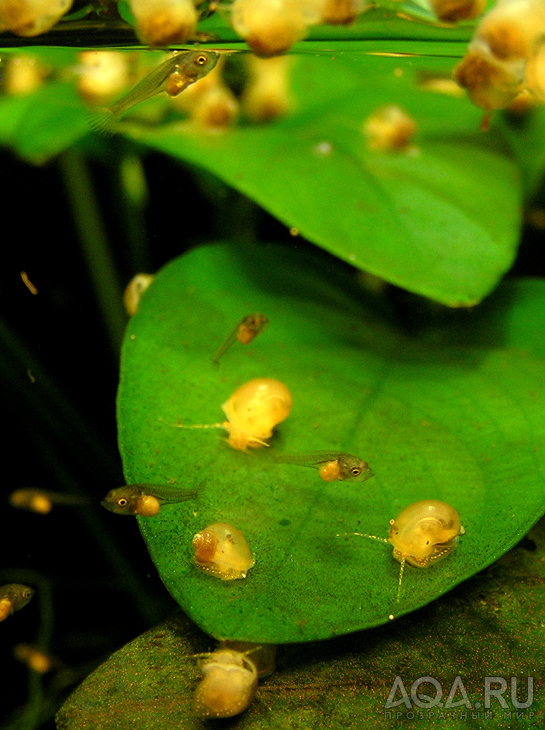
(245, 331)
(13, 597)
(333, 465)
(42, 501)
(144, 499)
(173, 76)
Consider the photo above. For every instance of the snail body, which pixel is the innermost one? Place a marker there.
(263, 655)
(222, 550)
(134, 291)
(253, 410)
(228, 686)
(332, 465)
(422, 533)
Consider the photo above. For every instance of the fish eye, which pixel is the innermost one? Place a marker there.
(122, 502)
(356, 471)
(27, 593)
(201, 60)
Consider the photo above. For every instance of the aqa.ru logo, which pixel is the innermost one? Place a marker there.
(494, 687)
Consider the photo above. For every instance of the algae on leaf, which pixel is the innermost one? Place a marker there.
(462, 424)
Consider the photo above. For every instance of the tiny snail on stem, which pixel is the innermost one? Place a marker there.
(134, 291)
(144, 499)
(252, 411)
(332, 465)
(245, 331)
(222, 550)
(423, 533)
(228, 686)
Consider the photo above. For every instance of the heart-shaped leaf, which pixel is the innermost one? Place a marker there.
(440, 219)
(462, 424)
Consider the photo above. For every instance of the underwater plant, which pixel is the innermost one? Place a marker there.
(359, 189)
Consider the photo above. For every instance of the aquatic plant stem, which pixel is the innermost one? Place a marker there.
(94, 243)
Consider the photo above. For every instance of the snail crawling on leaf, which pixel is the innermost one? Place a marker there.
(228, 686)
(423, 533)
(222, 550)
(253, 410)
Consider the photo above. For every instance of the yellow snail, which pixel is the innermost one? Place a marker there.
(222, 550)
(263, 655)
(134, 290)
(253, 411)
(245, 331)
(423, 533)
(228, 686)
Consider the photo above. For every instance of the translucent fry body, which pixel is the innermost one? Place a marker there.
(245, 331)
(144, 499)
(333, 465)
(187, 68)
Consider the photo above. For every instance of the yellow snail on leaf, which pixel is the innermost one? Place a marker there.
(222, 550)
(252, 411)
(228, 686)
(423, 533)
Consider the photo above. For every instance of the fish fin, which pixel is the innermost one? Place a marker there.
(103, 121)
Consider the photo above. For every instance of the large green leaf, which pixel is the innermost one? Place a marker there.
(458, 423)
(442, 222)
(474, 632)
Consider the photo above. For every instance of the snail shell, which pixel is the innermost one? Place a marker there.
(228, 686)
(134, 290)
(263, 655)
(254, 410)
(425, 532)
(222, 550)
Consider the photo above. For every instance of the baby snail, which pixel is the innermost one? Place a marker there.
(222, 550)
(134, 291)
(263, 655)
(245, 331)
(13, 597)
(144, 499)
(253, 411)
(423, 533)
(228, 686)
(332, 465)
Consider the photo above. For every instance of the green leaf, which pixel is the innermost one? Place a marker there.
(462, 424)
(43, 124)
(474, 632)
(441, 220)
